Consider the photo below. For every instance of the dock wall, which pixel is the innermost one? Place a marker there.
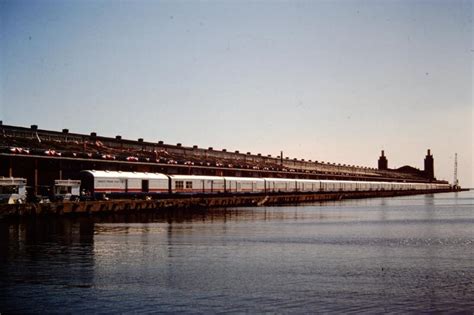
(189, 202)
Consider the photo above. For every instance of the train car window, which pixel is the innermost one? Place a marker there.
(9, 189)
(189, 185)
(179, 184)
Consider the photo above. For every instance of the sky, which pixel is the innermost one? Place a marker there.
(330, 81)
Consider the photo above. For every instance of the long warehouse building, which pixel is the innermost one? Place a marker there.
(42, 156)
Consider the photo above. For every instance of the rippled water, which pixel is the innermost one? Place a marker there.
(406, 254)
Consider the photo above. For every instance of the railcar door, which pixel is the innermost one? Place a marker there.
(145, 185)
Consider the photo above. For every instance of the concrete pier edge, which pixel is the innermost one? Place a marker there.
(189, 202)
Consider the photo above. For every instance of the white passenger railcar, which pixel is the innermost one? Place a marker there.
(113, 183)
(117, 183)
(329, 185)
(308, 185)
(196, 184)
(347, 185)
(244, 185)
(280, 185)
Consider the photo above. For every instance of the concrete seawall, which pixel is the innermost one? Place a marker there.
(183, 202)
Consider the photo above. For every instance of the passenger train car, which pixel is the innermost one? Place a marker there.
(117, 184)
(196, 184)
(112, 183)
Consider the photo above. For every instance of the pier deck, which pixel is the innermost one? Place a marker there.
(127, 205)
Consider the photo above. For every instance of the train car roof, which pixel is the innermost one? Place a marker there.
(119, 174)
(5, 181)
(270, 179)
(307, 180)
(245, 179)
(196, 177)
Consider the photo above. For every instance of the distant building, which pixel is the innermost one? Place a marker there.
(427, 173)
(429, 166)
(411, 170)
(383, 163)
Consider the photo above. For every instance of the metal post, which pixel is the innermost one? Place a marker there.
(10, 168)
(60, 170)
(36, 177)
(455, 179)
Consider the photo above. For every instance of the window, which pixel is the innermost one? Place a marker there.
(179, 184)
(189, 185)
(9, 189)
(62, 190)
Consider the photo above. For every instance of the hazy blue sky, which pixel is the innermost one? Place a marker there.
(324, 80)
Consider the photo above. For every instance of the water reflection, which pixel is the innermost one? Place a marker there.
(40, 257)
(379, 255)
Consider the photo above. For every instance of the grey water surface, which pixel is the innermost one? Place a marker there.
(404, 254)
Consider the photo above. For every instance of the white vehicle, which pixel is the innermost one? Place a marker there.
(117, 184)
(308, 185)
(196, 184)
(12, 190)
(244, 185)
(330, 185)
(66, 189)
(97, 183)
(280, 185)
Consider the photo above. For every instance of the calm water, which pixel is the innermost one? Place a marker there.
(406, 254)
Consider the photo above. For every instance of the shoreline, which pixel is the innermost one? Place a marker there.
(192, 201)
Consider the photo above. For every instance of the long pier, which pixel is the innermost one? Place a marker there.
(43, 156)
(190, 202)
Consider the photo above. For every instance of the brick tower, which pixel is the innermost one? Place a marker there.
(429, 165)
(383, 163)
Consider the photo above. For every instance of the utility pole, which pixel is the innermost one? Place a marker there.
(455, 178)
